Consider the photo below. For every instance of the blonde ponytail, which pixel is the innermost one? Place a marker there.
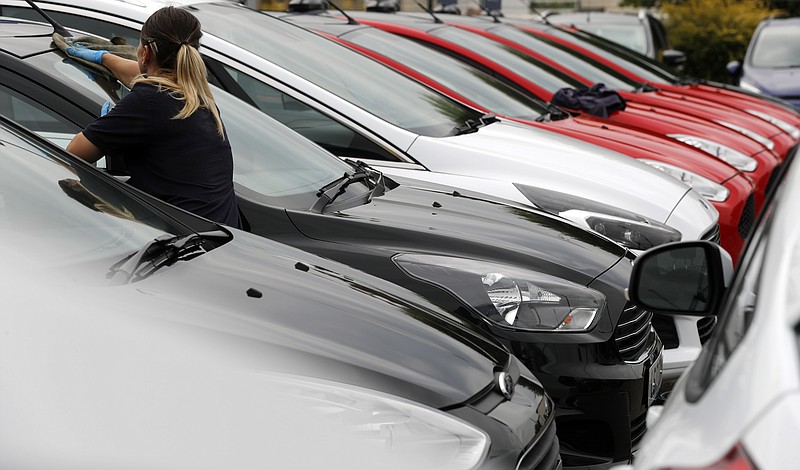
(175, 36)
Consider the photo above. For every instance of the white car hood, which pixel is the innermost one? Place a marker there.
(533, 157)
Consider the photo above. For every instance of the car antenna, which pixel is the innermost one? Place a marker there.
(430, 12)
(350, 19)
(542, 15)
(57, 28)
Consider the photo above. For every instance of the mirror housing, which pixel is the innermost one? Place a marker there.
(674, 58)
(734, 68)
(682, 278)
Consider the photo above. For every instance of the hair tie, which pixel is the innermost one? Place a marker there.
(184, 43)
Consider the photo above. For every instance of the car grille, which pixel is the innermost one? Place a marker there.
(705, 327)
(665, 327)
(543, 454)
(712, 235)
(632, 331)
(638, 428)
(747, 218)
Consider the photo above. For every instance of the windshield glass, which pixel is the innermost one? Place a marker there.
(631, 36)
(776, 46)
(56, 214)
(284, 168)
(467, 81)
(639, 64)
(566, 57)
(345, 73)
(510, 58)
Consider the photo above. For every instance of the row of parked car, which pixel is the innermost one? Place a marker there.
(437, 257)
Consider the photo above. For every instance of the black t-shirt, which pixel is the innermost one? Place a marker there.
(184, 162)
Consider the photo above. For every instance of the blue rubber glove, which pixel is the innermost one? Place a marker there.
(82, 52)
(106, 108)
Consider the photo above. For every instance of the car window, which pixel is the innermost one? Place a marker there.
(82, 23)
(631, 36)
(566, 57)
(736, 315)
(468, 81)
(518, 62)
(354, 77)
(307, 121)
(61, 214)
(776, 46)
(24, 111)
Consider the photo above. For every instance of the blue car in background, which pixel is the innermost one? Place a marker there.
(771, 64)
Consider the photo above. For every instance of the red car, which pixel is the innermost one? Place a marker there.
(588, 71)
(517, 67)
(642, 69)
(727, 188)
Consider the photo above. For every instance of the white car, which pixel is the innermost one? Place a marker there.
(738, 406)
(358, 108)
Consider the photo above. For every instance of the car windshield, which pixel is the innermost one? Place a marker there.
(776, 46)
(467, 81)
(566, 57)
(56, 214)
(631, 36)
(345, 73)
(282, 167)
(635, 62)
(510, 58)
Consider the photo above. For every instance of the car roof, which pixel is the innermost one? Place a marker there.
(22, 38)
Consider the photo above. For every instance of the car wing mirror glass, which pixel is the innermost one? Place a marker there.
(680, 278)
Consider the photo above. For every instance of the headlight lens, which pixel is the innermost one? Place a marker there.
(509, 296)
(414, 435)
(630, 230)
(732, 157)
(751, 134)
(779, 123)
(709, 189)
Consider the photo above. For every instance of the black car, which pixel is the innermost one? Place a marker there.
(552, 291)
(72, 230)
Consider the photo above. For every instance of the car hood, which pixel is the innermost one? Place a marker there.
(323, 319)
(419, 216)
(525, 155)
(641, 144)
(777, 82)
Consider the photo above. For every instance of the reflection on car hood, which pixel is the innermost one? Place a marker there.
(287, 302)
(539, 158)
(422, 216)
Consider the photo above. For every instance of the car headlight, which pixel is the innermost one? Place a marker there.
(728, 155)
(779, 123)
(748, 133)
(508, 296)
(750, 87)
(406, 432)
(630, 230)
(708, 189)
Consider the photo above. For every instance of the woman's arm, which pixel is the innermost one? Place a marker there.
(124, 69)
(81, 147)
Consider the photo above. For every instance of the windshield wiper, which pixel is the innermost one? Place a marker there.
(363, 172)
(645, 88)
(472, 125)
(165, 250)
(554, 113)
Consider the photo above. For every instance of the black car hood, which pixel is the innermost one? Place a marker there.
(420, 216)
(329, 321)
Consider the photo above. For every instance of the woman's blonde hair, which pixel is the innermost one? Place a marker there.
(173, 36)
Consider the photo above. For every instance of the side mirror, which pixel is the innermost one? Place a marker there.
(686, 278)
(674, 58)
(734, 68)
